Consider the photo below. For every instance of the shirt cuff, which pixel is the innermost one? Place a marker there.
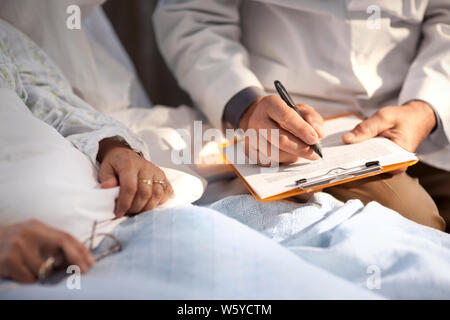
(433, 92)
(88, 142)
(437, 135)
(238, 104)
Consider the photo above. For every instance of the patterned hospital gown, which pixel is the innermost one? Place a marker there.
(27, 70)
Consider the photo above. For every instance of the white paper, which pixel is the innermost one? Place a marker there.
(267, 182)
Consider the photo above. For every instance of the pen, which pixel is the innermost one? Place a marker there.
(287, 98)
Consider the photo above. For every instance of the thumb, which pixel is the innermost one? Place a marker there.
(367, 129)
(107, 176)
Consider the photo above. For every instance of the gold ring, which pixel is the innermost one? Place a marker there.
(46, 268)
(147, 181)
(161, 182)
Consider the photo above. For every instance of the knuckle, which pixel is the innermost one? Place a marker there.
(29, 226)
(271, 100)
(145, 192)
(362, 126)
(65, 238)
(158, 193)
(283, 140)
(304, 108)
(382, 114)
(129, 189)
(128, 163)
(17, 243)
(309, 118)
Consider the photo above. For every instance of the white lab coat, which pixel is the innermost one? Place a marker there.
(334, 55)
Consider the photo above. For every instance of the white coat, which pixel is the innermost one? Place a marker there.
(338, 56)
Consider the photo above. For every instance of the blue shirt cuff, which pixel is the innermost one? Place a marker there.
(238, 104)
(438, 136)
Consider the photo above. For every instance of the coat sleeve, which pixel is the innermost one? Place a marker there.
(428, 78)
(200, 41)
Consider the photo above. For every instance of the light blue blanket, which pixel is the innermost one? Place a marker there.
(371, 246)
(195, 253)
(321, 249)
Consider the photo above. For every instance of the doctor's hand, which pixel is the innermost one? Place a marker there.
(406, 125)
(25, 246)
(295, 133)
(143, 186)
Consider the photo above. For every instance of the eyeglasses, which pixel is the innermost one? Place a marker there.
(58, 262)
(113, 244)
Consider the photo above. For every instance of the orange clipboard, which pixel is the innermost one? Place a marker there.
(297, 190)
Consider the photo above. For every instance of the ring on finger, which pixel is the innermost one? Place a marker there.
(147, 181)
(161, 182)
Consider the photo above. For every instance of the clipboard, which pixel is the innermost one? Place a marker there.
(334, 177)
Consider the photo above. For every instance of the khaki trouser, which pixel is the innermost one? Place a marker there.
(427, 203)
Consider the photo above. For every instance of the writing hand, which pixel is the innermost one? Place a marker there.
(296, 132)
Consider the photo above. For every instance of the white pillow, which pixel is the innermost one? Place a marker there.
(43, 176)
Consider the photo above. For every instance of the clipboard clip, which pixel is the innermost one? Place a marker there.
(338, 174)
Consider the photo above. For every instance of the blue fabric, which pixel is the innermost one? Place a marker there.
(195, 253)
(370, 246)
(238, 104)
(244, 249)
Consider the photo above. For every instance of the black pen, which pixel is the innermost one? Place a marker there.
(287, 98)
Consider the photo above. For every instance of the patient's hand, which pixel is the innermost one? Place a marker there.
(122, 166)
(405, 125)
(25, 246)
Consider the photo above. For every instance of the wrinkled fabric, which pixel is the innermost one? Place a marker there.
(354, 242)
(191, 252)
(27, 70)
(195, 253)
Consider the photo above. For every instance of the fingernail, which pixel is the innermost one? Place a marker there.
(315, 156)
(312, 139)
(316, 126)
(319, 129)
(91, 260)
